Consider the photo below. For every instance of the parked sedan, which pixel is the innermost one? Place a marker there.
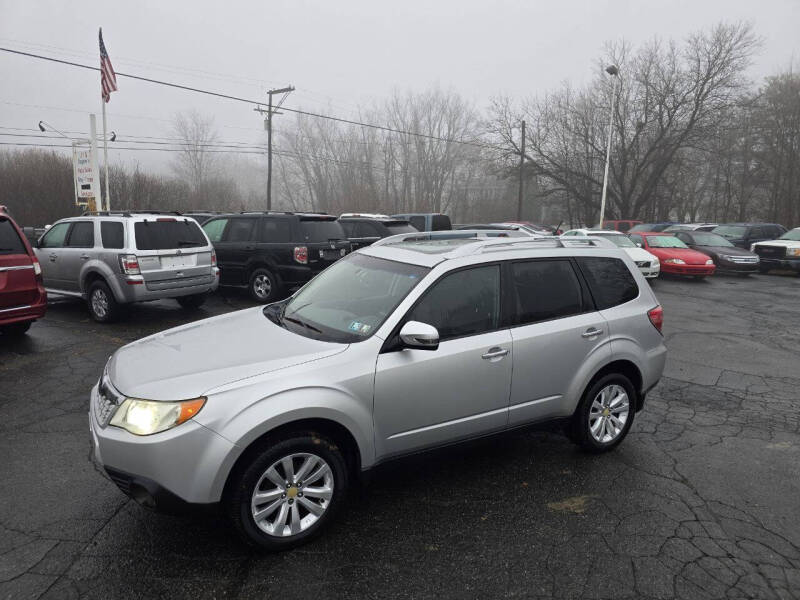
(725, 255)
(676, 257)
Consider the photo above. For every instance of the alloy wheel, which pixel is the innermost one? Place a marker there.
(100, 303)
(292, 494)
(262, 286)
(609, 413)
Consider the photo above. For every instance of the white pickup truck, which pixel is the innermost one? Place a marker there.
(783, 253)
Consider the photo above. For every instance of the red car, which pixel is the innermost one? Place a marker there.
(22, 295)
(675, 257)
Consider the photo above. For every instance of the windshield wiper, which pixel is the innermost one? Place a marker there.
(302, 324)
(188, 243)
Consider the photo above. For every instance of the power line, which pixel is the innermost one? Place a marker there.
(256, 102)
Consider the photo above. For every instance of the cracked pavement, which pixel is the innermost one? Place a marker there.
(700, 501)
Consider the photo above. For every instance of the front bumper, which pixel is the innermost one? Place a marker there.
(781, 263)
(184, 465)
(674, 269)
(650, 272)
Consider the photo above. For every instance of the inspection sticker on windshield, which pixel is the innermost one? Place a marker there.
(359, 327)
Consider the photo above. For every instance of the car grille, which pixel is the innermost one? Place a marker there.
(642, 264)
(106, 403)
(743, 260)
(771, 251)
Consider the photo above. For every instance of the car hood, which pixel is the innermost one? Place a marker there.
(187, 361)
(787, 243)
(687, 255)
(640, 254)
(724, 250)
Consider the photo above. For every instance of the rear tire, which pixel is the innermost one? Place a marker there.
(15, 329)
(103, 307)
(192, 302)
(269, 522)
(605, 414)
(264, 286)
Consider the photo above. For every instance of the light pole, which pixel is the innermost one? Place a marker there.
(614, 72)
(268, 124)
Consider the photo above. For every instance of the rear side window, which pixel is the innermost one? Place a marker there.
(112, 234)
(418, 223)
(215, 228)
(168, 235)
(396, 228)
(54, 238)
(545, 289)
(81, 235)
(441, 223)
(10, 243)
(609, 279)
(350, 228)
(275, 231)
(318, 230)
(463, 303)
(240, 230)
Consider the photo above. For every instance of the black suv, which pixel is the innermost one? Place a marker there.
(365, 229)
(272, 253)
(745, 234)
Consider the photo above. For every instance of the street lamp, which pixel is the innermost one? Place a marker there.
(614, 72)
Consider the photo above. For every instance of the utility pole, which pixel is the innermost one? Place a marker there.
(521, 174)
(270, 111)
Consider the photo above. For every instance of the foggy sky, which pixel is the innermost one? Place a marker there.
(339, 54)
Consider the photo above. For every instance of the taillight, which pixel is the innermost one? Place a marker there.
(301, 255)
(37, 268)
(129, 264)
(213, 258)
(656, 316)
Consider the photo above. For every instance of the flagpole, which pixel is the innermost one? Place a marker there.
(105, 155)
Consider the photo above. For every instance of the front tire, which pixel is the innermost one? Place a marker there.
(16, 329)
(264, 286)
(605, 414)
(289, 492)
(103, 307)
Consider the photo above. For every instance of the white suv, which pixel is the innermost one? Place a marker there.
(414, 342)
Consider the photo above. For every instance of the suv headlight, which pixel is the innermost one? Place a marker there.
(793, 252)
(675, 261)
(145, 417)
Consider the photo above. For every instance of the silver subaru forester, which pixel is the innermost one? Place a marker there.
(415, 342)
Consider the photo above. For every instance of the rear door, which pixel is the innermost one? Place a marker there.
(17, 277)
(556, 330)
(49, 252)
(173, 252)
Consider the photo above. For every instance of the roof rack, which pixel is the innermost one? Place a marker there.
(483, 241)
(364, 215)
(127, 213)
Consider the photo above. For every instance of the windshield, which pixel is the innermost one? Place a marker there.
(319, 230)
(168, 234)
(731, 231)
(350, 299)
(710, 239)
(620, 240)
(664, 241)
(794, 235)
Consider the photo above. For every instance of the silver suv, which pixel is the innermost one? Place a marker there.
(414, 342)
(110, 259)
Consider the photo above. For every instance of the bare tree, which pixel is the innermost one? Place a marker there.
(195, 163)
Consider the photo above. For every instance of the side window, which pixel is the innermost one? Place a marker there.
(350, 228)
(636, 239)
(609, 279)
(757, 233)
(418, 222)
(239, 230)
(81, 235)
(10, 242)
(371, 230)
(462, 303)
(112, 234)
(54, 238)
(274, 230)
(623, 226)
(684, 238)
(545, 289)
(214, 229)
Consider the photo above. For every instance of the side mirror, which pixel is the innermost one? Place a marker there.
(638, 244)
(419, 336)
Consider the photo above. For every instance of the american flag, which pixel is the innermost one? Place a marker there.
(108, 79)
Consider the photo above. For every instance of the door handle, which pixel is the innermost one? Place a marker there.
(53, 257)
(590, 333)
(495, 352)
(85, 257)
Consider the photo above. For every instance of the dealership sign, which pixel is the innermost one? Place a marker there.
(86, 174)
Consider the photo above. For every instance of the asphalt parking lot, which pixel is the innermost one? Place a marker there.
(700, 501)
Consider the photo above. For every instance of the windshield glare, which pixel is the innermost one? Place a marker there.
(664, 241)
(350, 299)
(710, 239)
(620, 240)
(793, 235)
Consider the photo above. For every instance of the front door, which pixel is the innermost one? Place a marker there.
(430, 397)
(49, 254)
